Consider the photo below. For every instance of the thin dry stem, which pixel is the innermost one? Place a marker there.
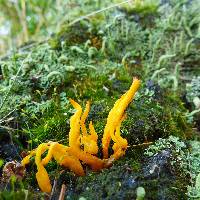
(62, 192)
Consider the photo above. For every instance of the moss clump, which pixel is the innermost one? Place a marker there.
(155, 114)
(142, 7)
(69, 35)
(194, 167)
(17, 195)
(193, 89)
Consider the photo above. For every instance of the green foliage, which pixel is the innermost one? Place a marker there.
(49, 121)
(140, 193)
(197, 184)
(142, 7)
(193, 89)
(16, 195)
(194, 167)
(15, 190)
(193, 97)
(172, 143)
(1, 163)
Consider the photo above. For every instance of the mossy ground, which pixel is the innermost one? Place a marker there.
(95, 59)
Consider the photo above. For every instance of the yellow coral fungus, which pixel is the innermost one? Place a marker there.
(89, 141)
(42, 175)
(26, 160)
(70, 156)
(68, 160)
(116, 114)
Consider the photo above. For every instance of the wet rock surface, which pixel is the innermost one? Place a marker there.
(157, 176)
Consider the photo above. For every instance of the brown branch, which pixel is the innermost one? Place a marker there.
(143, 144)
(62, 192)
(53, 189)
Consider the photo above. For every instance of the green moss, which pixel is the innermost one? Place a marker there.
(17, 195)
(70, 36)
(194, 167)
(153, 115)
(142, 7)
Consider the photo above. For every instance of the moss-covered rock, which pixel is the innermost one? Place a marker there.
(158, 174)
(95, 59)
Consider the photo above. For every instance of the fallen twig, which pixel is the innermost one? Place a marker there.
(62, 192)
(53, 189)
(143, 144)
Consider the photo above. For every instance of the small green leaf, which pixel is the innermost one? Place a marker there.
(1, 162)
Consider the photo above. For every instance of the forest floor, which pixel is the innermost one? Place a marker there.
(95, 58)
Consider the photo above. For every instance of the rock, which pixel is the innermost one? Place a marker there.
(8, 150)
(157, 176)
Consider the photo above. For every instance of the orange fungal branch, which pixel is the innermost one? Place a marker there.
(72, 155)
